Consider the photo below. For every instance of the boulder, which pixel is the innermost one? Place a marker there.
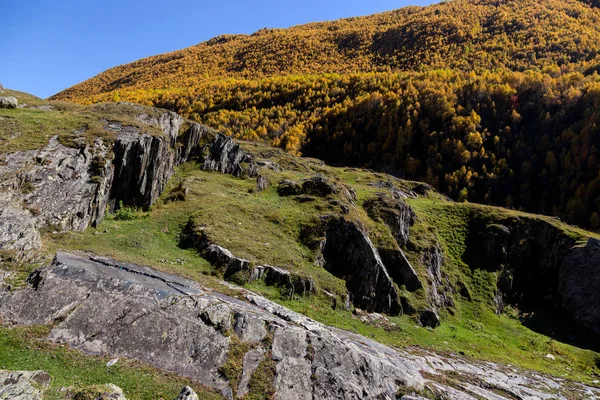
(289, 188)
(23, 385)
(349, 254)
(319, 186)
(262, 183)
(430, 318)
(9, 102)
(187, 393)
(110, 392)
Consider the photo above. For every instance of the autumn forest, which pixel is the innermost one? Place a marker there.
(489, 101)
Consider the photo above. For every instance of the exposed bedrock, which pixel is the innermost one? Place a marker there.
(69, 188)
(102, 306)
(349, 254)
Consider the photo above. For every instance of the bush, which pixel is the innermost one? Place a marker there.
(126, 213)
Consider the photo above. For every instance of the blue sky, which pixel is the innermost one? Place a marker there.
(49, 45)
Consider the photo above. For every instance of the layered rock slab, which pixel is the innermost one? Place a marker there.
(103, 306)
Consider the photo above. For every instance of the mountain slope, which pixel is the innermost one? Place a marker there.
(509, 121)
(462, 34)
(149, 198)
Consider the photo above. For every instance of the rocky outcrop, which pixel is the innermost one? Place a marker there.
(541, 267)
(223, 258)
(232, 266)
(23, 385)
(395, 213)
(144, 163)
(318, 186)
(227, 157)
(439, 288)
(296, 284)
(399, 268)
(70, 188)
(578, 283)
(349, 254)
(18, 231)
(106, 307)
(9, 102)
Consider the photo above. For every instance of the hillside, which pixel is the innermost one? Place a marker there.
(130, 232)
(490, 102)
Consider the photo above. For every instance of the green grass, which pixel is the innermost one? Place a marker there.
(31, 128)
(21, 350)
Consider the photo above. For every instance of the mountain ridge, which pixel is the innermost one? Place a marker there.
(489, 102)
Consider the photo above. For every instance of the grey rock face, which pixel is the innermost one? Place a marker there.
(349, 254)
(439, 294)
(23, 385)
(18, 230)
(67, 188)
(227, 157)
(399, 268)
(103, 306)
(9, 102)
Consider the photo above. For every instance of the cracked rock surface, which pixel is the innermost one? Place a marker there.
(102, 306)
(71, 188)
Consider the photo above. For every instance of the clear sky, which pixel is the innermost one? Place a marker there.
(49, 45)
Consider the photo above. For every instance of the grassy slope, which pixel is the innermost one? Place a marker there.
(264, 227)
(31, 127)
